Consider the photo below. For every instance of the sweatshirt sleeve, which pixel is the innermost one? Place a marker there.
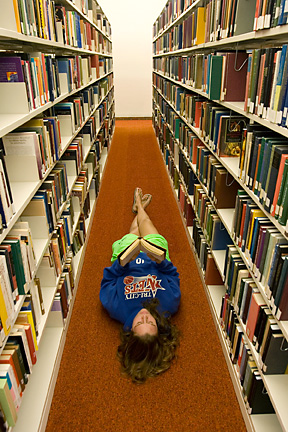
(166, 267)
(108, 292)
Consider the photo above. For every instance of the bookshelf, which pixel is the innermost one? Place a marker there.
(188, 97)
(66, 103)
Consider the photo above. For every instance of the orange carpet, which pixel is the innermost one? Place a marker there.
(196, 393)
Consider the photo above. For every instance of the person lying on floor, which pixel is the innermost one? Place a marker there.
(143, 294)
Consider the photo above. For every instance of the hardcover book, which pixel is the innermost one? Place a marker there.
(11, 69)
(230, 136)
(140, 244)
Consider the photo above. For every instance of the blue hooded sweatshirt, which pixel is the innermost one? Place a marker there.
(123, 289)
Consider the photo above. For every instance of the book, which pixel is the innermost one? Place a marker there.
(23, 145)
(7, 372)
(258, 398)
(282, 173)
(283, 207)
(11, 69)
(276, 155)
(275, 360)
(230, 136)
(256, 302)
(10, 357)
(20, 326)
(140, 244)
(236, 64)
(5, 250)
(212, 274)
(226, 188)
(18, 262)
(7, 403)
(215, 77)
(16, 360)
(282, 311)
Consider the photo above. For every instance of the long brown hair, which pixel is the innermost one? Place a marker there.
(142, 357)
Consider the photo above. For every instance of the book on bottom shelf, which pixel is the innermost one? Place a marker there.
(6, 372)
(212, 274)
(7, 403)
(275, 356)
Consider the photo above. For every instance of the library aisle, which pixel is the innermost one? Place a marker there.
(196, 394)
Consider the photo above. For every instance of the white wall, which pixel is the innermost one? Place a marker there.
(132, 22)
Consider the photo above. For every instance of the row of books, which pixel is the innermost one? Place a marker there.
(262, 155)
(212, 74)
(270, 14)
(51, 203)
(254, 392)
(20, 352)
(18, 262)
(266, 84)
(216, 20)
(252, 312)
(233, 329)
(184, 35)
(61, 240)
(224, 132)
(17, 267)
(261, 76)
(72, 112)
(264, 248)
(92, 9)
(221, 129)
(208, 169)
(188, 140)
(44, 19)
(47, 77)
(184, 200)
(262, 168)
(64, 292)
(40, 140)
(172, 10)
(16, 362)
(202, 242)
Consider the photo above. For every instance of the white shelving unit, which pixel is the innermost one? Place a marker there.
(276, 385)
(52, 329)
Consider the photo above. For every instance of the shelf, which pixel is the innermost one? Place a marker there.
(274, 385)
(254, 37)
(48, 294)
(38, 391)
(234, 106)
(17, 41)
(51, 327)
(216, 292)
(277, 386)
(71, 4)
(177, 20)
(9, 122)
(23, 192)
(266, 423)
